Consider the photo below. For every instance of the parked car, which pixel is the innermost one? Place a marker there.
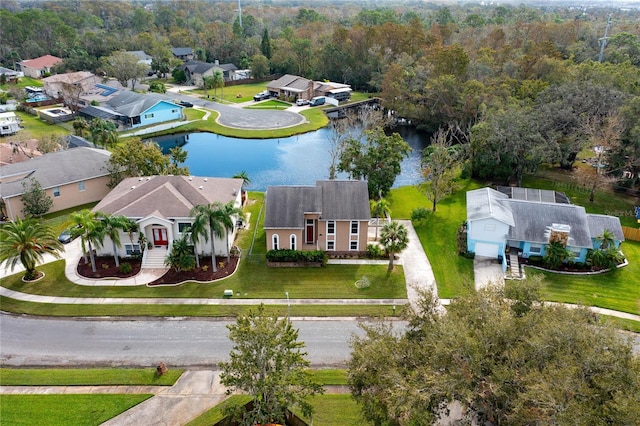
(318, 100)
(185, 104)
(261, 96)
(69, 234)
(302, 102)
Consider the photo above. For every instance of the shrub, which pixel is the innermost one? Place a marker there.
(286, 255)
(535, 259)
(125, 268)
(374, 251)
(461, 239)
(419, 214)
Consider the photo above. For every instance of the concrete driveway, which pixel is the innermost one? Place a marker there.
(486, 272)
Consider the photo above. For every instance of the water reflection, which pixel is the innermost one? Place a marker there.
(296, 160)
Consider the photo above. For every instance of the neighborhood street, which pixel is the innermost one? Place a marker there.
(145, 343)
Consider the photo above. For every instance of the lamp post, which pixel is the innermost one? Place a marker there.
(288, 306)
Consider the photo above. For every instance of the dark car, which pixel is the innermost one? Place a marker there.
(69, 234)
(186, 104)
(261, 96)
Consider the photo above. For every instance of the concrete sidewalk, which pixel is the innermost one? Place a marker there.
(194, 393)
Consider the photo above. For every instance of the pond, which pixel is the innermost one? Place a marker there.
(296, 160)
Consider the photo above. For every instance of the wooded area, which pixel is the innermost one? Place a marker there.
(522, 83)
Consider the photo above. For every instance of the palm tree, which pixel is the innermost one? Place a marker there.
(218, 81)
(26, 241)
(197, 231)
(208, 216)
(91, 233)
(394, 238)
(111, 226)
(607, 240)
(245, 182)
(180, 259)
(380, 208)
(227, 213)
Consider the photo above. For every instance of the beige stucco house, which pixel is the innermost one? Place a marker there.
(71, 178)
(160, 205)
(38, 67)
(333, 216)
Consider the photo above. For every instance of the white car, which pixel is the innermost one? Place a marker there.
(302, 102)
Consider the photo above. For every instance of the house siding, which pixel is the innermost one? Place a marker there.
(70, 196)
(162, 112)
(486, 231)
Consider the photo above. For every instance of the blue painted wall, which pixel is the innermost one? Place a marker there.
(160, 113)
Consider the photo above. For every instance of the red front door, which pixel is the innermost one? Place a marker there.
(160, 237)
(311, 232)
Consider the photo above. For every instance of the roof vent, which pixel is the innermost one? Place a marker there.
(190, 178)
(200, 187)
(139, 179)
(148, 178)
(205, 179)
(133, 187)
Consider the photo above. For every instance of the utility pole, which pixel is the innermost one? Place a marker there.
(240, 14)
(603, 40)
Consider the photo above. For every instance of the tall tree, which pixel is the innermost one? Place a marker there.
(35, 200)
(218, 81)
(265, 44)
(207, 216)
(103, 132)
(377, 159)
(26, 241)
(394, 238)
(125, 67)
(112, 225)
(269, 364)
(380, 208)
(92, 233)
(504, 362)
(228, 214)
(441, 161)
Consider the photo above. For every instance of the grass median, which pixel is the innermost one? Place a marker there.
(86, 377)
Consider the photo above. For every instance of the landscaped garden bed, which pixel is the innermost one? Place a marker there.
(204, 273)
(106, 268)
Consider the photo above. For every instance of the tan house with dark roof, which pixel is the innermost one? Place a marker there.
(160, 205)
(333, 216)
(71, 178)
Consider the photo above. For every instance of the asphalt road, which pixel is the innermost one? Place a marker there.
(178, 342)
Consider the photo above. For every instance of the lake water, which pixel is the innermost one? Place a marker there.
(296, 160)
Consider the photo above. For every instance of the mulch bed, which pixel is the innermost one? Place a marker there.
(204, 273)
(106, 268)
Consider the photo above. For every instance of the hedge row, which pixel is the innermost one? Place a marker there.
(286, 255)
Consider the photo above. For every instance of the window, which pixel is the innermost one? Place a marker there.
(354, 226)
(148, 116)
(81, 186)
(183, 227)
(353, 245)
(535, 248)
(275, 242)
(293, 241)
(331, 227)
(132, 249)
(56, 191)
(331, 245)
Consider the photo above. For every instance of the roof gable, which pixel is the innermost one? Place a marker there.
(333, 200)
(131, 104)
(45, 61)
(486, 203)
(599, 222)
(167, 196)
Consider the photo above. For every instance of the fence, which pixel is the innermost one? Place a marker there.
(632, 234)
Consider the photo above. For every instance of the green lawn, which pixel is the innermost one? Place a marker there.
(453, 273)
(64, 410)
(37, 128)
(216, 414)
(22, 83)
(86, 377)
(618, 290)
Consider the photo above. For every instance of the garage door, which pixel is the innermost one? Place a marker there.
(487, 250)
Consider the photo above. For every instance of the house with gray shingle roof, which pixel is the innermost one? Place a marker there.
(161, 205)
(525, 219)
(183, 53)
(196, 71)
(71, 178)
(131, 109)
(333, 215)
